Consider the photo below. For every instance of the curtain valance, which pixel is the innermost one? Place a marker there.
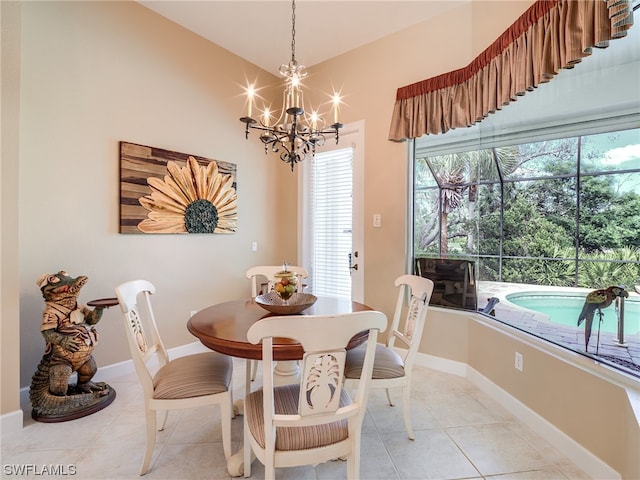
(549, 36)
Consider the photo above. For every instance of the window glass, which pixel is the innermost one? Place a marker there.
(609, 212)
(426, 222)
(527, 230)
(525, 215)
(489, 208)
(606, 152)
(422, 174)
(489, 269)
(549, 157)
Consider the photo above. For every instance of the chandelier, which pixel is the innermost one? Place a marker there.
(294, 134)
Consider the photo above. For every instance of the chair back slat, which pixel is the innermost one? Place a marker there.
(418, 290)
(141, 329)
(321, 384)
(416, 307)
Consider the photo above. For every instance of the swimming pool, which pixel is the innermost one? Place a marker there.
(564, 309)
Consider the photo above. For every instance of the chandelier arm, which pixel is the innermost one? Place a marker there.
(260, 127)
(333, 131)
(318, 141)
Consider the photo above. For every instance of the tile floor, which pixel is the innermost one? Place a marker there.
(461, 433)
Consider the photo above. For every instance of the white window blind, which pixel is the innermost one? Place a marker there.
(331, 188)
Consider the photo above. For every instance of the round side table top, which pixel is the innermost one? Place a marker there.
(103, 302)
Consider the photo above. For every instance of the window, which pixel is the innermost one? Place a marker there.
(560, 213)
(546, 193)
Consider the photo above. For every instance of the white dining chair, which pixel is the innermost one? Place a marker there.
(266, 272)
(185, 382)
(392, 367)
(315, 420)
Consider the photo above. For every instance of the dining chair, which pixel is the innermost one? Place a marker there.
(392, 367)
(186, 382)
(268, 271)
(315, 420)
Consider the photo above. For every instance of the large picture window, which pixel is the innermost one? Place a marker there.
(544, 199)
(557, 213)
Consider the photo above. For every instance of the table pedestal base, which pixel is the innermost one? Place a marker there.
(284, 371)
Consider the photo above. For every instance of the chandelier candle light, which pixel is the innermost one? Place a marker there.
(295, 132)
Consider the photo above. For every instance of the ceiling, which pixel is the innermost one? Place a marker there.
(260, 30)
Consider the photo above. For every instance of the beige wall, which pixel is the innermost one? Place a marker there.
(9, 273)
(95, 73)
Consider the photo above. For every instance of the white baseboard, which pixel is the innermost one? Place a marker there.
(592, 465)
(441, 364)
(109, 372)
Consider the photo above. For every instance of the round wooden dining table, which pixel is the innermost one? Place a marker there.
(223, 327)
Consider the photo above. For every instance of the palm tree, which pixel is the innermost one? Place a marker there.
(458, 174)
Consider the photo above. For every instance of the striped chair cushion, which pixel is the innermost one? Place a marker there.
(193, 376)
(293, 438)
(387, 363)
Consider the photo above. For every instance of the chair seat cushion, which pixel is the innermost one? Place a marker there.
(293, 438)
(193, 376)
(387, 363)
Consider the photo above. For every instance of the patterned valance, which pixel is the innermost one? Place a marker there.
(549, 36)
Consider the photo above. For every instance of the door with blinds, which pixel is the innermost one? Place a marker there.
(332, 217)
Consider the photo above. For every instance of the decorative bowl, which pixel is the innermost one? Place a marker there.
(297, 303)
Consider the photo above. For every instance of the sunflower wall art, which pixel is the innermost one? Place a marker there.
(170, 192)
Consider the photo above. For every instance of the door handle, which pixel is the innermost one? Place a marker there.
(351, 265)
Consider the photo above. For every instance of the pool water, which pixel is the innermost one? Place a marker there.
(565, 309)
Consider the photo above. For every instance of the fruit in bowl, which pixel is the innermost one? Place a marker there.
(285, 284)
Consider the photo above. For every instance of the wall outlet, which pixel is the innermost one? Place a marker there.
(519, 361)
(377, 220)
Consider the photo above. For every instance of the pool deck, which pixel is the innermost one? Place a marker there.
(603, 348)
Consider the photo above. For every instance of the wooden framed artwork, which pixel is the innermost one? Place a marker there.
(170, 192)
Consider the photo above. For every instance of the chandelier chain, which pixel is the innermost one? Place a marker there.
(293, 31)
